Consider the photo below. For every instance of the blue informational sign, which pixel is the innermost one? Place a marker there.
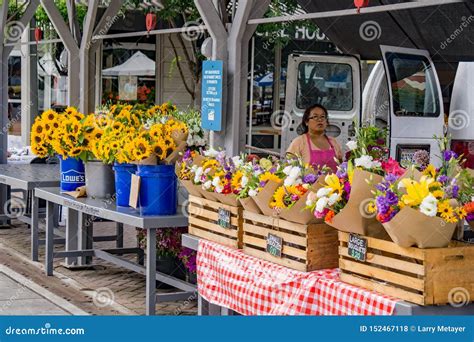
(211, 97)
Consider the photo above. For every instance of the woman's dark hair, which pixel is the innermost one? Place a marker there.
(303, 128)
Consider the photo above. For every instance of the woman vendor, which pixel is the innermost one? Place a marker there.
(313, 145)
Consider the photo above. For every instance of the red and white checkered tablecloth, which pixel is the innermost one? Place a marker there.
(250, 286)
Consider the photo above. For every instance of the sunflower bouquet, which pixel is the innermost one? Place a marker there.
(42, 133)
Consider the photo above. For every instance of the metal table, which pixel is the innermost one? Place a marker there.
(84, 208)
(402, 308)
(26, 178)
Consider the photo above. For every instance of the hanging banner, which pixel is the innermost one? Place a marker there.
(211, 95)
(128, 88)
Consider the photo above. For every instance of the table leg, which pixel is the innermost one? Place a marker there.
(49, 239)
(119, 233)
(56, 215)
(34, 228)
(151, 272)
(85, 237)
(5, 196)
(203, 306)
(72, 228)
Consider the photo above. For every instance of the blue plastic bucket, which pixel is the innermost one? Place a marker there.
(123, 182)
(72, 174)
(158, 189)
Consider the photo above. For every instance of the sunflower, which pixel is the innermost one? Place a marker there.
(461, 213)
(160, 150)
(236, 179)
(117, 126)
(38, 127)
(70, 111)
(438, 194)
(49, 116)
(278, 198)
(446, 211)
(141, 148)
(430, 171)
(268, 176)
(75, 152)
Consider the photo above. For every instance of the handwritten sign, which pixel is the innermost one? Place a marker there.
(357, 247)
(223, 219)
(274, 245)
(211, 95)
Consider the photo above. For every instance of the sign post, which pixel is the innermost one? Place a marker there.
(211, 95)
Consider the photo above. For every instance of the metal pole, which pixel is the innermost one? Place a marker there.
(348, 12)
(152, 32)
(252, 73)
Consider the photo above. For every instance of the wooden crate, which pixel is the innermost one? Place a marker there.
(304, 247)
(203, 218)
(421, 276)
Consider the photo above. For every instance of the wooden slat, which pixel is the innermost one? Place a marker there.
(388, 246)
(213, 227)
(215, 205)
(299, 266)
(374, 272)
(213, 237)
(263, 231)
(382, 288)
(211, 215)
(276, 222)
(294, 252)
(389, 262)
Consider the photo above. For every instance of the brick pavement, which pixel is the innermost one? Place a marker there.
(79, 286)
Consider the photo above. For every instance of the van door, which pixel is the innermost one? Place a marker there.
(331, 80)
(416, 107)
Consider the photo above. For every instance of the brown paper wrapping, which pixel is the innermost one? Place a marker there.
(412, 174)
(249, 204)
(79, 192)
(413, 228)
(297, 213)
(151, 160)
(179, 137)
(471, 172)
(192, 188)
(207, 194)
(229, 199)
(174, 156)
(353, 218)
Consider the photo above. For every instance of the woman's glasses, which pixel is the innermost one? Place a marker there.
(317, 118)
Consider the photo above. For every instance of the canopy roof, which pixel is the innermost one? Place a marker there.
(137, 65)
(446, 31)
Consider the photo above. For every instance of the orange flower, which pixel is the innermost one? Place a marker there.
(469, 207)
(329, 216)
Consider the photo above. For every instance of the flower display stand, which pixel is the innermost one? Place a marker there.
(422, 276)
(215, 221)
(303, 247)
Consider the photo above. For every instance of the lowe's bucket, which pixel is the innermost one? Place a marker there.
(72, 174)
(100, 180)
(123, 182)
(158, 189)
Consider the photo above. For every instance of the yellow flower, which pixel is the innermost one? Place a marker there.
(236, 179)
(268, 176)
(430, 171)
(142, 149)
(416, 191)
(49, 116)
(278, 198)
(333, 182)
(438, 194)
(160, 150)
(371, 208)
(461, 213)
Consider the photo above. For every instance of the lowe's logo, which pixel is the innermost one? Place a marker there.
(73, 176)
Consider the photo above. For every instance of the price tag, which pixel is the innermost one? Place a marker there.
(134, 192)
(357, 247)
(223, 218)
(274, 245)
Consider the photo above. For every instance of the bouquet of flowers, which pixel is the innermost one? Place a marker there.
(332, 197)
(422, 213)
(42, 133)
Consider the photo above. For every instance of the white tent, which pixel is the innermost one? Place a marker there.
(137, 65)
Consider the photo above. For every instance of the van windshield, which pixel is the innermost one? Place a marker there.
(329, 84)
(413, 85)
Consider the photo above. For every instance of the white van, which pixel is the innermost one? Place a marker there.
(410, 104)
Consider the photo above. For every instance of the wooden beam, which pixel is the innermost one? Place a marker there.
(25, 19)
